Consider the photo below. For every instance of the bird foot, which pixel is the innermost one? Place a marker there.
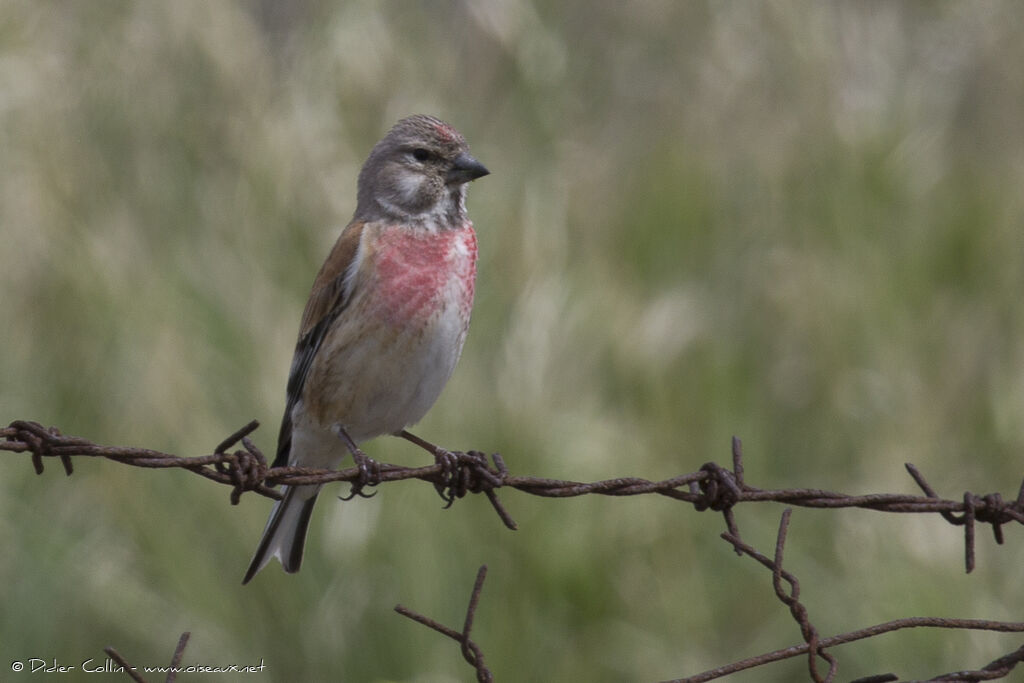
(452, 464)
(450, 474)
(369, 475)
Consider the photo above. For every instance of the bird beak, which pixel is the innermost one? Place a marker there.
(464, 169)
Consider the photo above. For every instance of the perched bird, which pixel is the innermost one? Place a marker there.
(386, 320)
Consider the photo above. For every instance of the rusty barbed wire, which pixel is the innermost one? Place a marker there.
(711, 487)
(814, 646)
(132, 671)
(470, 651)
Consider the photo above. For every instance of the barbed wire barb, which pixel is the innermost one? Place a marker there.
(172, 670)
(470, 651)
(791, 598)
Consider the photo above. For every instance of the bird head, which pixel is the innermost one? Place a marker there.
(418, 173)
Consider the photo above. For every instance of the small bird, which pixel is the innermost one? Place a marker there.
(386, 320)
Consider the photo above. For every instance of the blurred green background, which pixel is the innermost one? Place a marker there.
(801, 223)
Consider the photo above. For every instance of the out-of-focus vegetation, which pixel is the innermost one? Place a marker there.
(798, 222)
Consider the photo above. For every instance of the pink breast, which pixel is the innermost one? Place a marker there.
(420, 274)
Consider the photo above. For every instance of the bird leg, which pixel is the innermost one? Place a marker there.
(369, 469)
(442, 456)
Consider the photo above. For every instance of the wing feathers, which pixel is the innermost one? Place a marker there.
(332, 290)
(329, 286)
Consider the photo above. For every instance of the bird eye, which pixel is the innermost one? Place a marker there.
(420, 154)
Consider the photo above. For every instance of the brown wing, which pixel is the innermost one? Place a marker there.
(326, 302)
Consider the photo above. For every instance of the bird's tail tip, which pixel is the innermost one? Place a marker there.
(285, 534)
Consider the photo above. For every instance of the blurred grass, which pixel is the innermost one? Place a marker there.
(795, 222)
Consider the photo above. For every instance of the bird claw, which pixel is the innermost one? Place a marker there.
(369, 475)
(449, 476)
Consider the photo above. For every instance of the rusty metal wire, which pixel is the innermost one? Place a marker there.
(712, 487)
(133, 673)
(470, 650)
(814, 646)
